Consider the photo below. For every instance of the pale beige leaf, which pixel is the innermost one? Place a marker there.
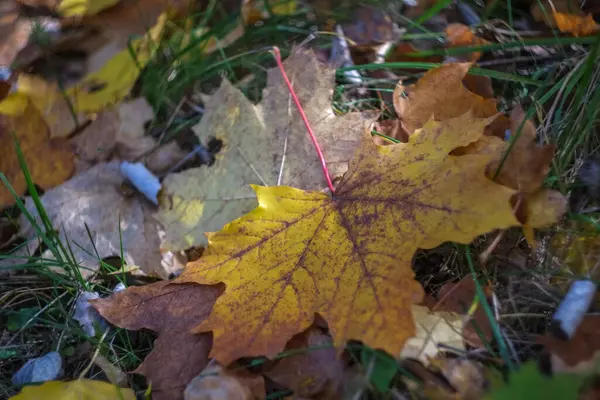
(265, 144)
(433, 329)
(95, 198)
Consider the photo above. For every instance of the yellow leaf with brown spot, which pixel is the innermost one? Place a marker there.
(50, 162)
(348, 256)
(80, 389)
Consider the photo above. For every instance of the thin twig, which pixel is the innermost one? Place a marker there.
(276, 53)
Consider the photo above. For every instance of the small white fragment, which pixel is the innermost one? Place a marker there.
(572, 309)
(87, 316)
(45, 368)
(142, 179)
(119, 287)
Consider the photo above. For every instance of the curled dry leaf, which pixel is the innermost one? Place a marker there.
(171, 310)
(357, 244)
(80, 389)
(261, 144)
(14, 31)
(434, 328)
(217, 383)
(527, 162)
(316, 372)
(578, 354)
(458, 298)
(50, 162)
(95, 199)
(460, 35)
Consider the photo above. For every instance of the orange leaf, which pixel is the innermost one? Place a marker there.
(348, 257)
(575, 24)
(459, 35)
(50, 162)
(172, 311)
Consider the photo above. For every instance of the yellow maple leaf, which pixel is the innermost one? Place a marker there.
(348, 257)
(80, 389)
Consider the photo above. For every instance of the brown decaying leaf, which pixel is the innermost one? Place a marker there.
(440, 94)
(119, 133)
(95, 199)
(578, 354)
(264, 144)
(315, 373)
(458, 297)
(218, 383)
(14, 31)
(527, 163)
(460, 35)
(400, 53)
(50, 162)
(171, 310)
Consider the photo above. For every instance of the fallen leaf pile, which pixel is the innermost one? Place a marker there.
(287, 266)
(346, 257)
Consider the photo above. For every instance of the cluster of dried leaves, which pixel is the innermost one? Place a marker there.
(346, 257)
(287, 266)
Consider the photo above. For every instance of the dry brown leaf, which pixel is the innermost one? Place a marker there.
(50, 162)
(527, 163)
(578, 354)
(440, 94)
(458, 297)
(466, 376)
(460, 35)
(316, 372)
(14, 31)
(171, 310)
(95, 199)
(262, 144)
(118, 130)
(217, 383)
